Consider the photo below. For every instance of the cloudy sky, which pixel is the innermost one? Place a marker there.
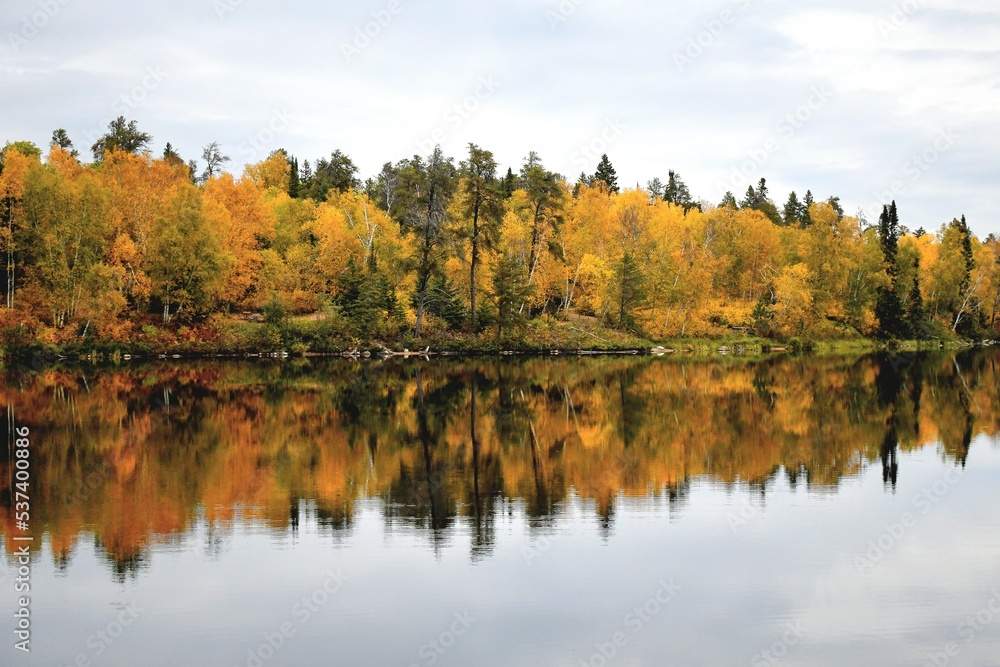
(868, 100)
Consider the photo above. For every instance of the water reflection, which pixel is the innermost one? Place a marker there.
(130, 458)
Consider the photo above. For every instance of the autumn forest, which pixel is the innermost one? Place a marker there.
(132, 248)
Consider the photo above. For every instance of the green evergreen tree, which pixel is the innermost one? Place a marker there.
(357, 297)
(792, 215)
(655, 189)
(762, 316)
(889, 307)
(294, 182)
(916, 317)
(338, 173)
(62, 140)
(171, 156)
(510, 291)
(123, 135)
(509, 184)
(676, 192)
(834, 202)
(630, 290)
(805, 217)
(966, 324)
(482, 206)
(729, 201)
(606, 174)
(445, 302)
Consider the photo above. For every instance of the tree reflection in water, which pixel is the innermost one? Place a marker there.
(138, 455)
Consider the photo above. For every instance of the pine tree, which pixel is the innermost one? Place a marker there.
(510, 291)
(294, 183)
(676, 192)
(171, 156)
(763, 315)
(630, 290)
(916, 317)
(357, 296)
(805, 217)
(444, 301)
(834, 203)
(482, 206)
(889, 307)
(655, 189)
(793, 211)
(509, 184)
(965, 325)
(62, 140)
(729, 201)
(606, 174)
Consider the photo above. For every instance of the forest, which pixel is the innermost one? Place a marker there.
(133, 249)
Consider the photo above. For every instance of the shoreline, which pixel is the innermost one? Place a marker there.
(698, 348)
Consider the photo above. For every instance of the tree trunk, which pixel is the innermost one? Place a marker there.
(474, 264)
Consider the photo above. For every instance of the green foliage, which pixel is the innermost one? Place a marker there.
(481, 205)
(62, 140)
(762, 317)
(510, 291)
(606, 174)
(185, 262)
(916, 316)
(338, 173)
(366, 297)
(275, 310)
(759, 200)
(792, 214)
(892, 322)
(25, 148)
(122, 135)
(444, 302)
(630, 291)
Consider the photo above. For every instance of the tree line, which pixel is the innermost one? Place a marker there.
(433, 244)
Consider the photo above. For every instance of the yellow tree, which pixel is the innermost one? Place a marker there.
(140, 190)
(246, 225)
(582, 242)
(350, 225)
(69, 213)
(794, 306)
(16, 165)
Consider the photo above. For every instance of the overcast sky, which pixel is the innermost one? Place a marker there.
(867, 100)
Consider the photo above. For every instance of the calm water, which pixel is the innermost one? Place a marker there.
(559, 512)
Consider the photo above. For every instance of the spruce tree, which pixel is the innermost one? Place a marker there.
(889, 307)
(916, 317)
(509, 184)
(510, 290)
(792, 214)
(805, 217)
(294, 184)
(630, 290)
(606, 174)
(676, 191)
(729, 201)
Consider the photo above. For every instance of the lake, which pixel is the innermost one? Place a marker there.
(545, 511)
